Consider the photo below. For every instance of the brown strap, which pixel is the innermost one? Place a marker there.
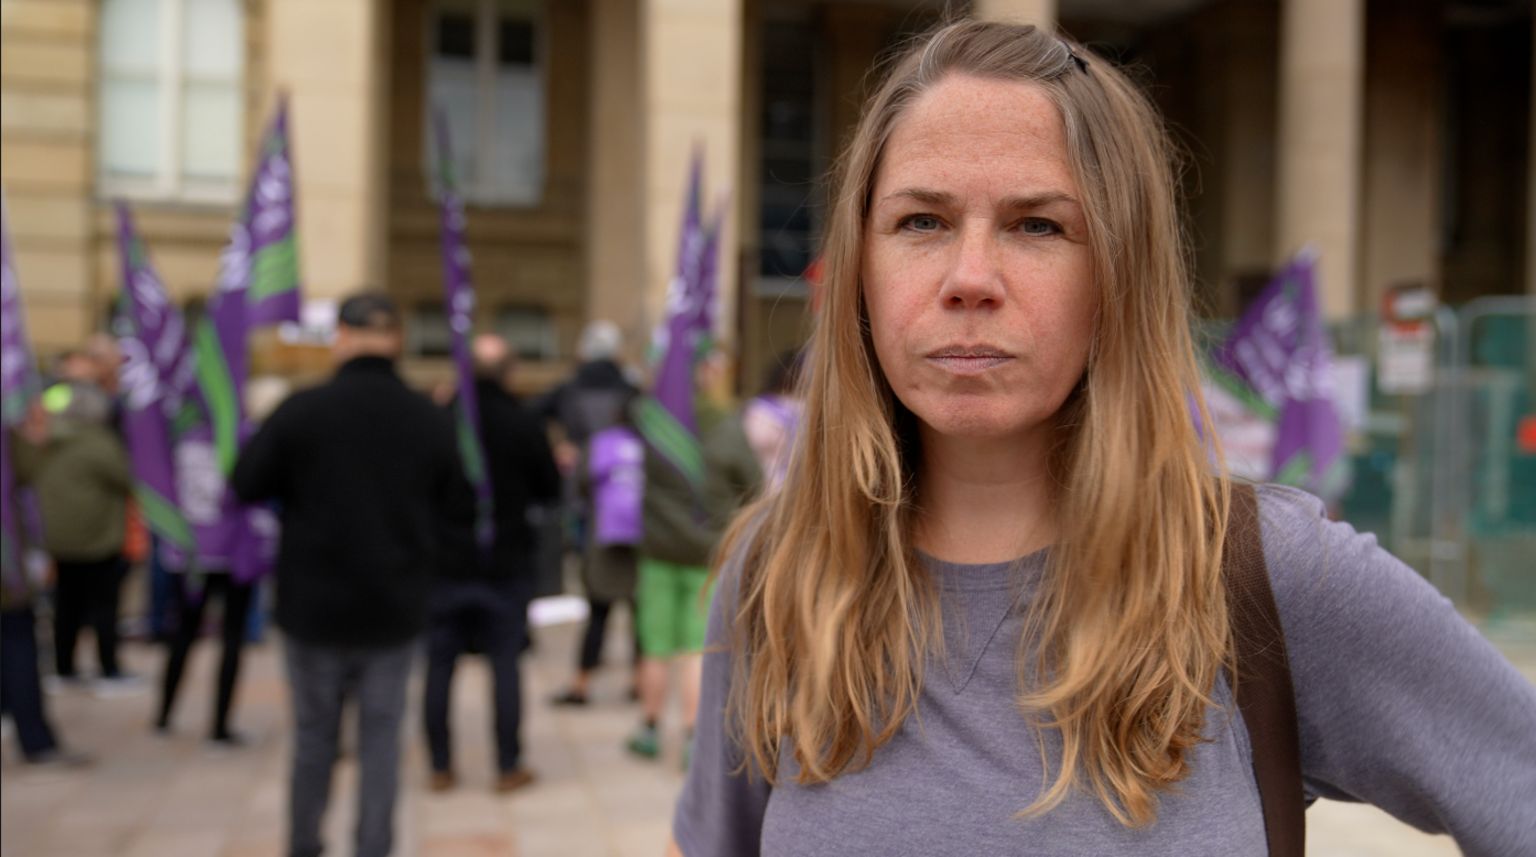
(1263, 687)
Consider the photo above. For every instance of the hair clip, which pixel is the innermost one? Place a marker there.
(1082, 64)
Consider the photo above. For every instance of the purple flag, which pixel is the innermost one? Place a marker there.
(1278, 359)
(270, 240)
(668, 419)
(154, 352)
(19, 384)
(459, 295)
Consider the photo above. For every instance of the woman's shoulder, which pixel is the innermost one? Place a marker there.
(1323, 570)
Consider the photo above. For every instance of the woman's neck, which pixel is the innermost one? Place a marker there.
(982, 501)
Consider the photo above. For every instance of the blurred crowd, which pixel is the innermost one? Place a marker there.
(386, 557)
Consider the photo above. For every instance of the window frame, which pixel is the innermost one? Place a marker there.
(172, 78)
(486, 40)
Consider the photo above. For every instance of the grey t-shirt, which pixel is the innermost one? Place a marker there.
(1400, 702)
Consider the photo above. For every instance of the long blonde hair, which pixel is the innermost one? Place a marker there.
(1128, 628)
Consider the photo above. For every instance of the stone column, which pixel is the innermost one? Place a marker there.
(1530, 204)
(691, 69)
(1403, 168)
(1318, 183)
(329, 59)
(615, 234)
(1041, 13)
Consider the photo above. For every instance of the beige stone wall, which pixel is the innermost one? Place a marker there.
(324, 56)
(1041, 13)
(526, 256)
(47, 118)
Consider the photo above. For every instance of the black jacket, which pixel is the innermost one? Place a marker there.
(592, 400)
(365, 473)
(523, 472)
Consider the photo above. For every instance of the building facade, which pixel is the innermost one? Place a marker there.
(1393, 136)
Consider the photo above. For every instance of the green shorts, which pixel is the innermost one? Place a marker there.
(672, 608)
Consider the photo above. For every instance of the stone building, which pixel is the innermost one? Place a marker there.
(1393, 135)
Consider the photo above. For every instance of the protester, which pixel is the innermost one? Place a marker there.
(201, 490)
(80, 473)
(594, 399)
(21, 692)
(364, 472)
(481, 600)
(675, 550)
(987, 613)
(612, 480)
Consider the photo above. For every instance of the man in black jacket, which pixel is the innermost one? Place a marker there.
(364, 472)
(481, 602)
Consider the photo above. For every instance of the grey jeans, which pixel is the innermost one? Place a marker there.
(321, 679)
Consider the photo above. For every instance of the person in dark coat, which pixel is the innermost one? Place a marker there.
(365, 472)
(595, 398)
(481, 600)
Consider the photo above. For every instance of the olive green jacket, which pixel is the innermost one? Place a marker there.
(83, 482)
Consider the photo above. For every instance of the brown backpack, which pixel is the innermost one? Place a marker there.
(1263, 688)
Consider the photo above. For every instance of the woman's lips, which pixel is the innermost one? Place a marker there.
(969, 362)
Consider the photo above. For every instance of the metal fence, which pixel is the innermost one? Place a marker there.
(1446, 479)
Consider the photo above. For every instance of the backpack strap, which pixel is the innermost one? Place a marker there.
(1263, 687)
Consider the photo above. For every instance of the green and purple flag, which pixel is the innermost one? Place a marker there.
(271, 241)
(19, 385)
(668, 418)
(459, 298)
(1277, 363)
(258, 286)
(155, 368)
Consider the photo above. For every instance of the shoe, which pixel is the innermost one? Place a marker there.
(511, 781)
(123, 684)
(60, 758)
(569, 698)
(644, 743)
(442, 781)
(228, 740)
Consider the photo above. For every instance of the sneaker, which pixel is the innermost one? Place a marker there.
(569, 698)
(123, 684)
(511, 781)
(442, 781)
(644, 743)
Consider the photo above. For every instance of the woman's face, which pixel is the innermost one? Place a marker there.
(977, 271)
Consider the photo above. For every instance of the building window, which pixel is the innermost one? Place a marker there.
(171, 105)
(485, 71)
(529, 330)
(790, 201)
(426, 331)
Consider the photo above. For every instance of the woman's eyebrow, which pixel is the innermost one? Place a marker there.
(1036, 200)
(927, 196)
(922, 195)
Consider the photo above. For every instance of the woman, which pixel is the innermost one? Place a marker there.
(986, 614)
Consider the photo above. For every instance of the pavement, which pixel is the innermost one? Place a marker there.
(149, 795)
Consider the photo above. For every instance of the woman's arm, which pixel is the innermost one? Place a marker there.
(1400, 702)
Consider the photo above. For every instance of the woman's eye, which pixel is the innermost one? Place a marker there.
(919, 223)
(1039, 226)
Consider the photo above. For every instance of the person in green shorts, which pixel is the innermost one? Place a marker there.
(682, 522)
